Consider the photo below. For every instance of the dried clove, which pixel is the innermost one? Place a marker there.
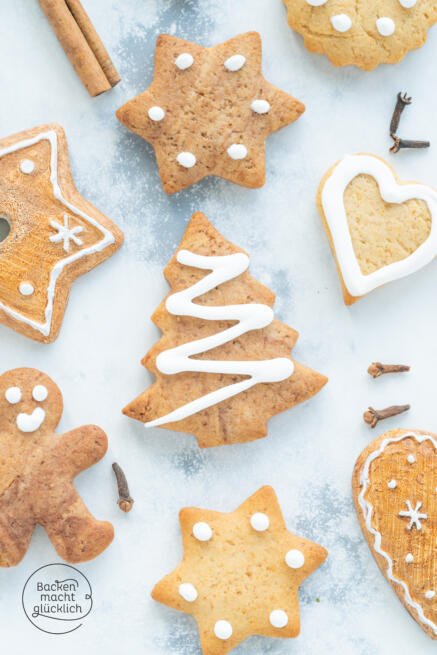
(399, 143)
(372, 416)
(125, 502)
(376, 369)
(402, 101)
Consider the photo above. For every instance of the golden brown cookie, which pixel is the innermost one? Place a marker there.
(223, 364)
(379, 227)
(209, 111)
(37, 468)
(365, 34)
(395, 494)
(240, 573)
(55, 235)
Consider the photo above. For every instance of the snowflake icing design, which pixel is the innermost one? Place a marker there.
(415, 515)
(66, 234)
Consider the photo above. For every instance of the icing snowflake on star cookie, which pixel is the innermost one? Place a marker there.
(209, 111)
(66, 234)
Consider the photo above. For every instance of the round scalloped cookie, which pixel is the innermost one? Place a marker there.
(364, 33)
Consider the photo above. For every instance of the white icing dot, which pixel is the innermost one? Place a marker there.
(260, 522)
(27, 166)
(341, 22)
(295, 559)
(260, 106)
(234, 63)
(156, 113)
(429, 595)
(184, 61)
(186, 159)
(202, 531)
(237, 151)
(278, 618)
(188, 592)
(223, 630)
(409, 558)
(26, 289)
(407, 4)
(40, 393)
(392, 484)
(411, 459)
(13, 395)
(385, 26)
(317, 3)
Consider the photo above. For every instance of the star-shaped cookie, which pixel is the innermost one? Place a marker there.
(53, 234)
(240, 573)
(209, 111)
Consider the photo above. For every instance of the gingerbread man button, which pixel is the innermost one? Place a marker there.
(37, 468)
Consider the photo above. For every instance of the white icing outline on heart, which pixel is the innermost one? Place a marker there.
(367, 509)
(332, 197)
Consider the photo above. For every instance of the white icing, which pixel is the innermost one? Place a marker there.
(411, 459)
(392, 484)
(407, 4)
(223, 630)
(108, 238)
(31, 422)
(13, 395)
(186, 159)
(341, 22)
(430, 594)
(367, 509)
(414, 514)
(26, 288)
(237, 151)
(260, 522)
(156, 113)
(385, 26)
(249, 316)
(40, 393)
(184, 61)
(27, 166)
(202, 531)
(188, 592)
(317, 3)
(235, 63)
(295, 558)
(260, 106)
(409, 558)
(65, 233)
(278, 618)
(391, 191)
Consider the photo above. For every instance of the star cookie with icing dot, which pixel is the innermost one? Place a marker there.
(240, 573)
(209, 111)
(51, 234)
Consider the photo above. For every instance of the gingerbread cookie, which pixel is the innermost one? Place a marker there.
(223, 365)
(209, 111)
(380, 228)
(365, 34)
(395, 494)
(54, 235)
(240, 573)
(37, 468)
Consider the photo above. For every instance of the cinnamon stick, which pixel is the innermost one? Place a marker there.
(82, 44)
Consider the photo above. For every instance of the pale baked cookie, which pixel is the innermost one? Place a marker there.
(395, 493)
(240, 573)
(223, 364)
(365, 33)
(55, 235)
(209, 111)
(37, 468)
(379, 227)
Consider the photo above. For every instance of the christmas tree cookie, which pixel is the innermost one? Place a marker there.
(240, 573)
(209, 111)
(223, 364)
(395, 493)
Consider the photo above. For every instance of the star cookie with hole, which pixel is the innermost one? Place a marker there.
(395, 494)
(364, 34)
(240, 573)
(380, 228)
(52, 234)
(37, 468)
(209, 111)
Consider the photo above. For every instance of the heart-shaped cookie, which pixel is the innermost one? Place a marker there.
(395, 494)
(380, 229)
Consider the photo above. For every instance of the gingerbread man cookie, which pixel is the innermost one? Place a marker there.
(209, 111)
(365, 34)
(395, 494)
(240, 573)
(53, 234)
(37, 468)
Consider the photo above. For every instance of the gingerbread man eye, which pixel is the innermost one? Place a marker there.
(13, 395)
(40, 393)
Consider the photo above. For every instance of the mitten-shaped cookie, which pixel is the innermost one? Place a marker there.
(37, 468)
